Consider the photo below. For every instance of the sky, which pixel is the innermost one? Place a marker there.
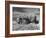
(26, 10)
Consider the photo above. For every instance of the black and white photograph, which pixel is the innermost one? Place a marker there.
(26, 18)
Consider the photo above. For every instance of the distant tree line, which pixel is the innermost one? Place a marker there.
(27, 20)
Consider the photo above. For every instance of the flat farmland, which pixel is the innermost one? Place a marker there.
(31, 26)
